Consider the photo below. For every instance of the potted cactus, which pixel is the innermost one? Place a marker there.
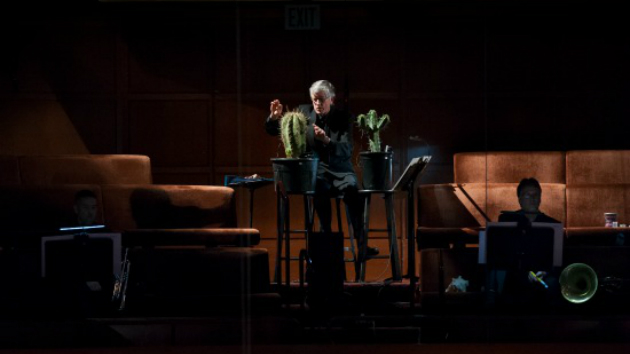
(376, 164)
(296, 172)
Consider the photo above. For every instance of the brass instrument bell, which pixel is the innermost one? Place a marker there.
(578, 283)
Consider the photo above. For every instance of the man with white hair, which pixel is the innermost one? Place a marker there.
(329, 138)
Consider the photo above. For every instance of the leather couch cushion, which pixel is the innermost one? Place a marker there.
(85, 169)
(598, 167)
(586, 204)
(168, 206)
(509, 167)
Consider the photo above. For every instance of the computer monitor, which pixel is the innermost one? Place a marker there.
(508, 245)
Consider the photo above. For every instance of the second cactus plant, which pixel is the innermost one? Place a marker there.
(372, 124)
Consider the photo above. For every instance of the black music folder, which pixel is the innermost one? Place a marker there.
(508, 245)
(87, 255)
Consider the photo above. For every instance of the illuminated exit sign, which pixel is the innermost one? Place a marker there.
(301, 17)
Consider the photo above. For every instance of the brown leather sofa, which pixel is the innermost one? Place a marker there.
(183, 238)
(578, 188)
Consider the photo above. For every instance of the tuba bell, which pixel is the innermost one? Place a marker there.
(578, 283)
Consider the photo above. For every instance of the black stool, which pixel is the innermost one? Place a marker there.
(285, 231)
(388, 196)
(353, 254)
(284, 234)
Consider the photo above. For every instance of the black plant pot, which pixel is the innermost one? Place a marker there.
(297, 175)
(377, 170)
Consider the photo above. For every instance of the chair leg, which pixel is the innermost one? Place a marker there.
(287, 243)
(362, 239)
(280, 229)
(340, 229)
(302, 259)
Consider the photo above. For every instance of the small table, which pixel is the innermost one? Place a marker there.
(250, 183)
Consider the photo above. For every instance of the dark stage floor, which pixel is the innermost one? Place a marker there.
(375, 315)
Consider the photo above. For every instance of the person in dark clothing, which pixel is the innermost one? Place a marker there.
(524, 286)
(329, 138)
(529, 195)
(85, 207)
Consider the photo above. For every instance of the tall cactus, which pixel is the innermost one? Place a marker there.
(293, 133)
(372, 124)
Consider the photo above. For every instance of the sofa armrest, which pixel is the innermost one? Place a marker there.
(444, 237)
(598, 236)
(209, 237)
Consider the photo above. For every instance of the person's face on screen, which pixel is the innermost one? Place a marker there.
(529, 199)
(86, 208)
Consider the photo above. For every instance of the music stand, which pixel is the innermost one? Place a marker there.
(251, 184)
(413, 169)
(406, 183)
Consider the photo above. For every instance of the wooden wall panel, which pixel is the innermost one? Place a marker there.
(593, 59)
(374, 69)
(522, 123)
(81, 58)
(274, 60)
(244, 141)
(225, 46)
(444, 59)
(24, 62)
(590, 122)
(522, 62)
(448, 124)
(37, 127)
(95, 121)
(171, 133)
(169, 57)
(57, 57)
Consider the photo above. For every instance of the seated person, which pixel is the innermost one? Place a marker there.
(529, 195)
(85, 207)
(523, 286)
(329, 138)
(85, 210)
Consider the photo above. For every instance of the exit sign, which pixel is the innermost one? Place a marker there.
(301, 17)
